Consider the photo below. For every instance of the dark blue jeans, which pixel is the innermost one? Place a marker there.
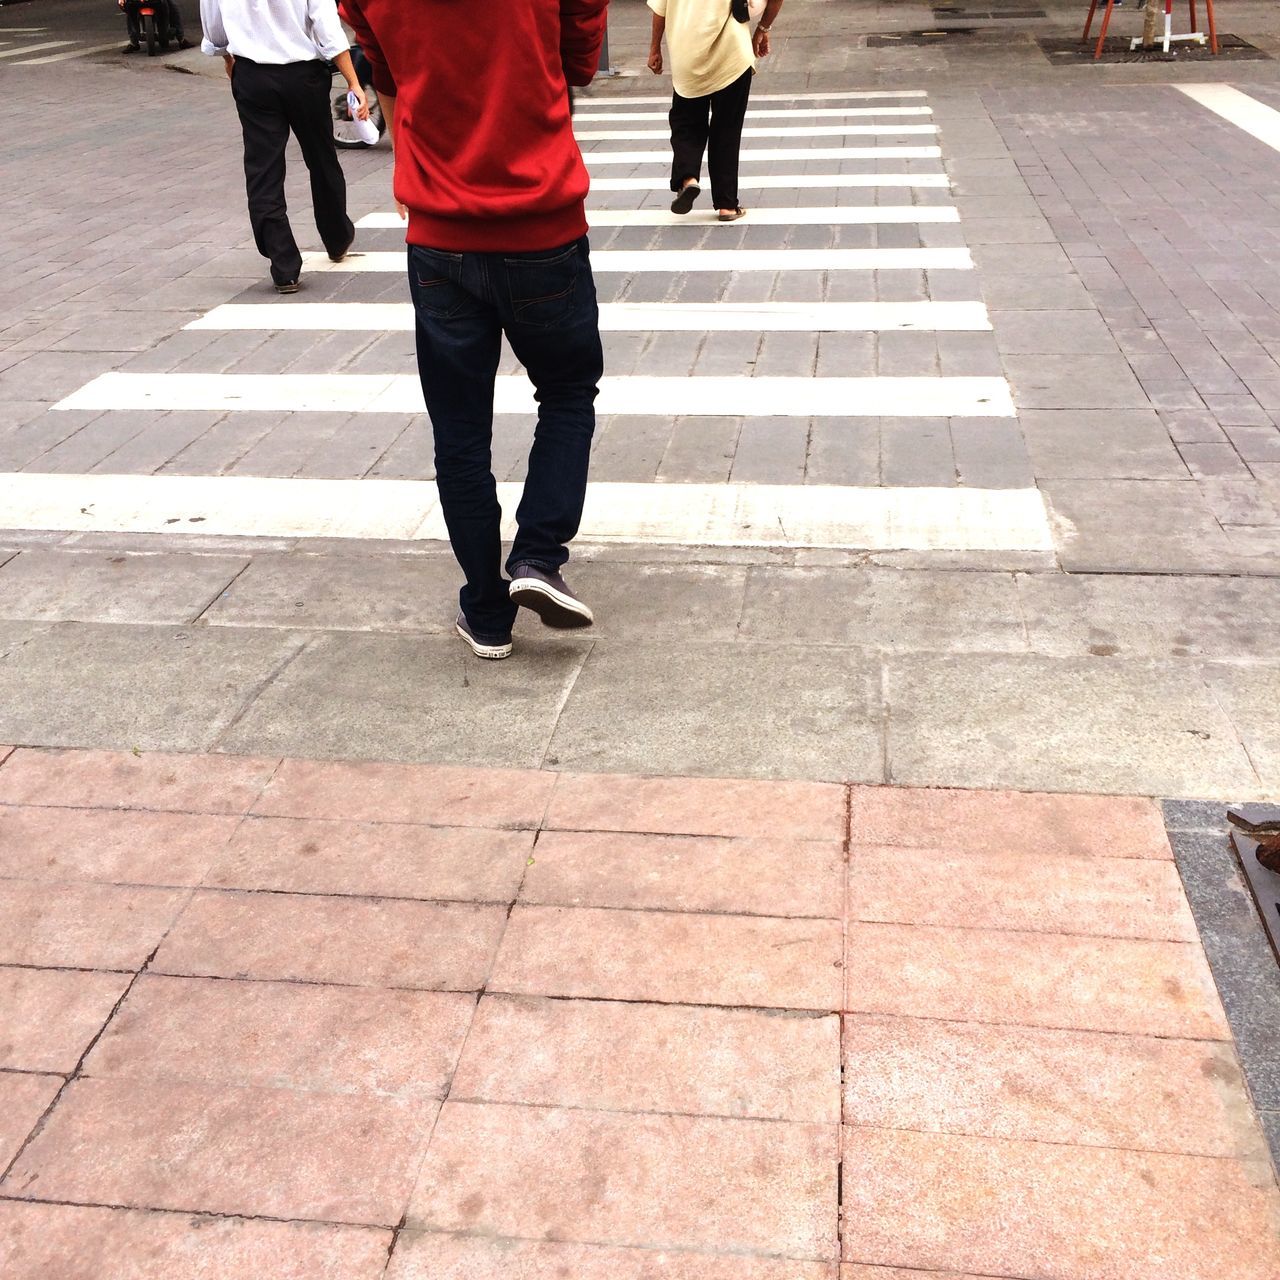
(545, 303)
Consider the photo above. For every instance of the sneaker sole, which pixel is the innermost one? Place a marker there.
(493, 652)
(554, 609)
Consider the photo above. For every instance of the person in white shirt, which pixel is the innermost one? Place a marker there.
(276, 54)
(713, 57)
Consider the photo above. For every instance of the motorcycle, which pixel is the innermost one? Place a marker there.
(154, 21)
(344, 130)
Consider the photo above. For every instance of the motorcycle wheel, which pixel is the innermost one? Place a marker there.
(152, 36)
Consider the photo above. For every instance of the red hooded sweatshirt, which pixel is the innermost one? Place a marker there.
(486, 159)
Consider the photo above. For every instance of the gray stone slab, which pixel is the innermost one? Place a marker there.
(414, 698)
(732, 710)
(1250, 695)
(1009, 229)
(843, 451)
(885, 609)
(1158, 617)
(1110, 444)
(916, 452)
(1195, 815)
(1074, 382)
(700, 450)
(771, 451)
(1039, 260)
(1058, 332)
(691, 602)
(1243, 964)
(365, 592)
(1137, 526)
(1032, 293)
(13, 635)
(990, 454)
(1270, 1121)
(1192, 426)
(96, 586)
(1060, 724)
(119, 687)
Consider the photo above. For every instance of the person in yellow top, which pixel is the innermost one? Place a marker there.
(713, 57)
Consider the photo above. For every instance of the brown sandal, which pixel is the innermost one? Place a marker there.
(739, 212)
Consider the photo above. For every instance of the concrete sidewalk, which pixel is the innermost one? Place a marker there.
(284, 1018)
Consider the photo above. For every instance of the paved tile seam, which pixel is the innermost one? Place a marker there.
(10, 1198)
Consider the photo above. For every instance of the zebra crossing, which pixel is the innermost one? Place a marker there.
(794, 289)
(37, 46)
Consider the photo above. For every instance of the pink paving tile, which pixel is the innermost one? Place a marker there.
(287, 1035)
(1082, 1087)
(269, 1152)
(669, 958)
(440, 795)
(772, 877)
(661, 1182)
(1033, 979)
(23, 1099)
(377, 942)
(394, 859)
(49, 1016)
(90, 926)
(698, 806)
(115, 846)
(5, 753)
(43, 1241)
(429, 1256)
(1008, 822)
(998, 1207)
(1110, 897)
(123, 780)
(638, 1057)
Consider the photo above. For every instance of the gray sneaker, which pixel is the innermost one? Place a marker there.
(492, 647)
(548, 595)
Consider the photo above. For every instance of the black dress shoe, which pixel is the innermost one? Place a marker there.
(287, 286)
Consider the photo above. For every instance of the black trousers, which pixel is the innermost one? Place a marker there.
(271, 101)
(712, 124)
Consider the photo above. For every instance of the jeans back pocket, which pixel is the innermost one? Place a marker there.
(435, 282)
(543, 288)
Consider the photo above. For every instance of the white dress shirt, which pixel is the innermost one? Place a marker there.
(273, 31)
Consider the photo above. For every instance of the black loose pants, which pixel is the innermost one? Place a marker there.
(272, 100)
(712, 124)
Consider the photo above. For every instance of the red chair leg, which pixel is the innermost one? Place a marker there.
(1088, 22)
(1102, 35)
(1213, 27)
(1194, 26)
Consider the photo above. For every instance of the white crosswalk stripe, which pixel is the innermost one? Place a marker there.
(785, 131)
(827, 216)
(793, 113)
(796, 181)
(879, 518)
(693, 317)
(756, 155)
(929, 397)
(22, 50)
(739, 515)
(629, 262)
(623, 104)
(83, 52)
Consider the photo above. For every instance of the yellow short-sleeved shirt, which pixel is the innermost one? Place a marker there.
(709, 47)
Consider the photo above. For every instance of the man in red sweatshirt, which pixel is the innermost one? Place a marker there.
(493, 183)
